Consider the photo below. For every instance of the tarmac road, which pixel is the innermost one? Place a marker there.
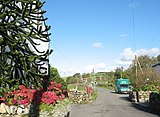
(110, 104)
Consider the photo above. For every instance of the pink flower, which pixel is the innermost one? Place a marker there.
(23, 94)
(23, 88)
(53, 83)
(62, 96)
(3, 98)
(14, 102)
(30, 96)
(50, 101)
(59, 85)
(20, 101)
(15, 92)
(51, 87)
(43, 99)
(24, 101)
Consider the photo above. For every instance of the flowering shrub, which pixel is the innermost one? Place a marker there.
(26, 96)
(89, 89)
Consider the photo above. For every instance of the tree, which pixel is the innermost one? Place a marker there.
(55, 77)
(70, 80)
(22, 28)
(144, 71)
(54, 74)
(77, 75)
(158, 57)
(118, 72)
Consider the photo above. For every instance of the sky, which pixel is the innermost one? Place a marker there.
(101, 34)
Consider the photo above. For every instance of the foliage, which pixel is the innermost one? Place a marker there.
(85, 75)
(94, 95)
(22, 28)
(54, 76)
(79, 87)
(145, 74)
(50, 108)
(99, 77)
(77, 75)
(158, 57)
(118, 72)
(73, 79)
(110, 86)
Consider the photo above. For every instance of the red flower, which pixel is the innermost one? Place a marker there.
(43, 99)
(51, 87)
(24, 101)
(20, 102)
(30, 96)
(15, 92)
(23, 88)
(62, 96)
(23, 94)
(49, 101)
(3, 99)
(53, 83)
(59, 85)
(14, 102)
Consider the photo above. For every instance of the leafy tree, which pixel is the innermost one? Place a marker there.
(54, 76)
(22, 28)
(84, 75)
(77, 75)
(118, 72)
(71, 80)
(158, 57)
(144, 75)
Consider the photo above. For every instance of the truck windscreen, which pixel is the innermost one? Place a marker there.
(124, 85)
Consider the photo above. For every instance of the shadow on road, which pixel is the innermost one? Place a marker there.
(145, 108)
(124, 98)
(113, 92)
(141, 107)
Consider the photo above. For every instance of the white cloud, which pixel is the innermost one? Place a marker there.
(99, 67)
(127, 55)
(68, 72)
(97, 45)
(126, 58)
(152, 52)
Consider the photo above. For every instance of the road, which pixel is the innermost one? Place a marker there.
(110, 104)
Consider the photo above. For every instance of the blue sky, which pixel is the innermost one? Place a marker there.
(99, 34)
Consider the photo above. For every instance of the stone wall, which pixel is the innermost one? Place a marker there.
(144, 96)
(141, 96)
(78, 97)
(151, 98)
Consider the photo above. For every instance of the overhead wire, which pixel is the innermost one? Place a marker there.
(63, 55)
(154, 38)
(133, 26)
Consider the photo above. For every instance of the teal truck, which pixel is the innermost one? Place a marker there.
(122, 85)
